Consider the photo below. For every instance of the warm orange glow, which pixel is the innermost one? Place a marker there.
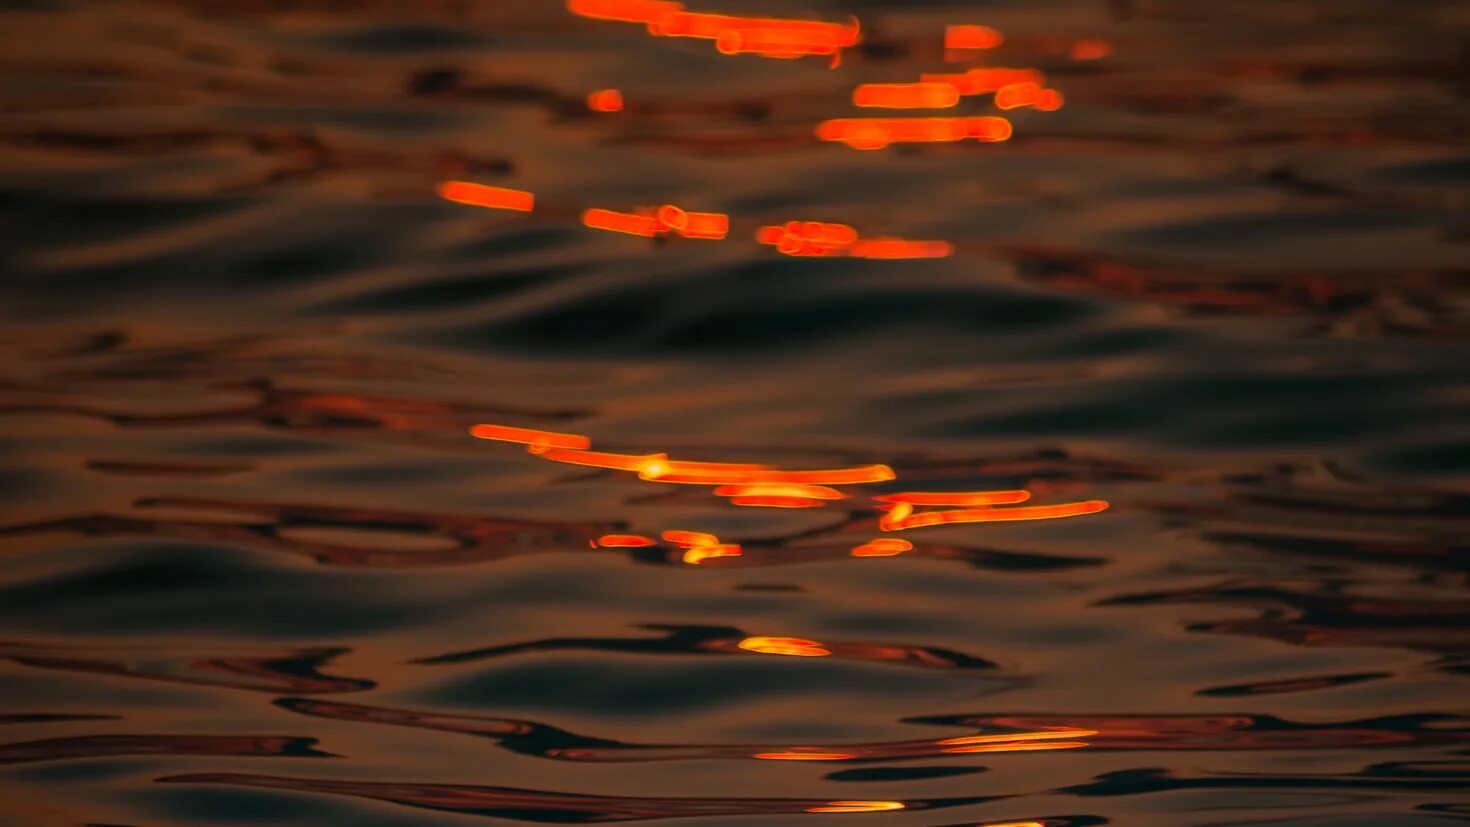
(711, 225)
(678, 23)
(672, 217)
(539, 441)
(992, 515)
(808, 238)
(605, 100)
(1009, 737)
(786, 45)
(1017, 747)
(877, 133)
(804, 756)
(897, 513)
(857, 807)
(906, 95)
(793, 646)
(688, 475)
(1014, 824)
(690, 539)
(622, 222)
(971, 37)
(1091, 49)
(955, 497)
(604, 459)
(776, 489)
(769, 501)
(882, 547)
(627, 11)
(980, 81)
(1016, 95)
(899, 248)
(1049, 100)
(699, 554)
(483, 195)
(624, 541)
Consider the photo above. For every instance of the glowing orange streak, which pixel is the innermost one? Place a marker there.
(837, 476)
(679, 466)
(991, 515)
(955, 497)
(621, 222)
(897, 513)
(626, 11)
(766, 501)
(1014, 824)
(605, 100)
(482, 195)
(793, 646)
(603, 459)
(540, 441)
(882, 548)
(1002, 738)
(805, 756)
(712, 225)
(906, 95)
(877, 133)
(898, 248)
(691, 539)
(971, 37)
(679, 23)
(1017, 747)
(777, 44)
(983, 81)
(1016, 95)
(623, 541)
(857, 807)
(812, 492)
(699, 554)
(1049, 100)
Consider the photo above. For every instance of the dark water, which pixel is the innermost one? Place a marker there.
(255, 571)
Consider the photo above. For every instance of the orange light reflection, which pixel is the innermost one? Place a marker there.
(604, 459)
(699, 554)
(792, 646)
(971, 37)
(813, 492)
(626, 11)
(857, 807)
(1009, 737)
(623, 541)
(804, 756)
(955, 497)
(621, 222)
(991, 515)
(899, 248)
(683, 473)
(483, 195)
(906, 95)
(539, 441)
(882, 547)
(877, 133)
(1016, 747)
(605, 100)
(768, 501)
(1091, 49)
(980, 81)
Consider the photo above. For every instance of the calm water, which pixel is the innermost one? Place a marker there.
(255, 571)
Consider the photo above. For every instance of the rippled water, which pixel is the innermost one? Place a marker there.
(255, 571)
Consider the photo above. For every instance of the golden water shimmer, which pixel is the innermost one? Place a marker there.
(1028, 413)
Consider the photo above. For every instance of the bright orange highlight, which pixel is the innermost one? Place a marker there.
(898, 248)
(622, 222)
(1091, 49)
(980, 81)
(1008, 737)
(603, 459)
(678, 23)
(955, 497)
(483, 195)
(877, 133)
(1016, 95)
(623, 541)
(605, 100)
(897, 513)
(626, 11)
(804, 756)
(1017, 747)
(793, 646)
(690, 539)
(539, 441)
(776, 489)
(971, 37)
(857, 807)
(1049, 100)
(709, 225)
(786, 45)
(808, 238)
(882, 547)
(699, 554)
(731, 475)
(906, 95)
(992, 515)
(769, 501)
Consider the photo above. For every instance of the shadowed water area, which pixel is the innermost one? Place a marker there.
(254, 569)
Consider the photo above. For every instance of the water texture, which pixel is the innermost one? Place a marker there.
(255, 570)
